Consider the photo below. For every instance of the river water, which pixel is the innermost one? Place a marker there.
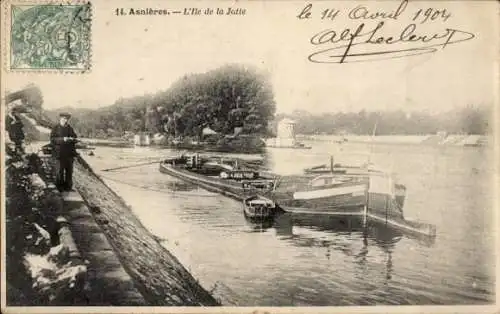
(319, 261)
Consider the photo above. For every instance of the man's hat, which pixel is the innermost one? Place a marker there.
(65, 114)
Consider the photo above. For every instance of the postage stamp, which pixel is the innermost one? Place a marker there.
(50, 36)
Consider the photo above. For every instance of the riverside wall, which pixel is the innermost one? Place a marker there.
(84, 247)
(160, 277)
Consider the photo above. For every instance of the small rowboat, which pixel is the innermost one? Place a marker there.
(258, 207)
(297, 146)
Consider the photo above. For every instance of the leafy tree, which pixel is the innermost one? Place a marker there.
(222, 99)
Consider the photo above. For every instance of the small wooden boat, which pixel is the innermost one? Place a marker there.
(344, 169)
(419, 227)
(291, 147)
(409, 227)
(259, 207)
(325, 169)
(295, 145)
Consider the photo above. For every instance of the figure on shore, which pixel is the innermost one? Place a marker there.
(14, 127)
(63, 139)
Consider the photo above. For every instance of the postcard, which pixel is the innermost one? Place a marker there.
(222, 156)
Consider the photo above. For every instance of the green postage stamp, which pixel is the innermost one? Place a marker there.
(50, 36)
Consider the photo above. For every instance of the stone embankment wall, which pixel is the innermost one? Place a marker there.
(160, 278)
(44, 265)
(158, 275)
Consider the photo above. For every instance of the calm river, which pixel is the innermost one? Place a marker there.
(320, 260)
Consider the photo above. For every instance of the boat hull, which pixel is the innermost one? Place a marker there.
(259, 208)
(211, 185)
(290, 147)
(348, 203)
(377, 204)
(352, 202)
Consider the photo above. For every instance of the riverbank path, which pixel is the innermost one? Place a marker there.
(109, 283)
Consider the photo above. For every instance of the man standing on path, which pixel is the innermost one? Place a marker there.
(63, 139)
(15, 129)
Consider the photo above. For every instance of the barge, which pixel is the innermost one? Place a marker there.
(354, 191)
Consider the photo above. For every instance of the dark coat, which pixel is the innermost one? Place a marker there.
(62, 149)
(14, 128)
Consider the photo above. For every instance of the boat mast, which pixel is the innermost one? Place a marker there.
(367, 200)
(372, 141)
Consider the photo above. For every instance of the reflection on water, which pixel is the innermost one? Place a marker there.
(334, 233)
(318, 260)
(179, 186)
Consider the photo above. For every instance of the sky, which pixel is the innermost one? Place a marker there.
(134, 55)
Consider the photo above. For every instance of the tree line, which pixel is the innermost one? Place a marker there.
(236, 96)
(467, 120)
(229, 97)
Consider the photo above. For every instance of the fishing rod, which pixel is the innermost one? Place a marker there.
(135, 165)
(48, 148)
(85, 146)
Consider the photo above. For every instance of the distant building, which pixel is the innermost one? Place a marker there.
(237, 131)
(208, 131)
(142, 139)
(286, 133)
(442, 134)
(285, 136)
(286, 128)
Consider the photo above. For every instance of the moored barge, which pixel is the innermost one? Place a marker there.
(355, 192)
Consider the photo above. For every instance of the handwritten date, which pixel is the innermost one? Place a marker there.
(367, 43)
(362, 12)
(431, 14)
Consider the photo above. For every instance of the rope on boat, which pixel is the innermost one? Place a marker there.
(174, 193)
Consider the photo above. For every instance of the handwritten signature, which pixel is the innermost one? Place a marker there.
(360, 45)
